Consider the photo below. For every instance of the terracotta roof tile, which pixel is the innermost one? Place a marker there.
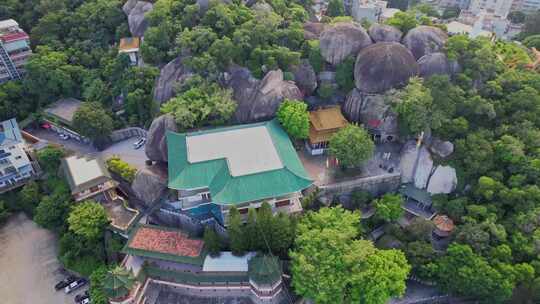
(163, 241)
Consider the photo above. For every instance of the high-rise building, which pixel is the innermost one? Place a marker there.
(527, 6)
(14, 50)
(499, 8)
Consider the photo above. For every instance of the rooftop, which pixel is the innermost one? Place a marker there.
(84, 172)
(129, 44)
(9, 131)
(6, 24)
(238, 164)
(166, 244)
(64, 109)
(227, 262)
(247, 150)
(324, 123)
(443, 223)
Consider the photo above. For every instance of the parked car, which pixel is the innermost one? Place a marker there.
(139, 143)
(75, 285)
(64, 136)
(65, 282)
(85, 301)
(80, 297)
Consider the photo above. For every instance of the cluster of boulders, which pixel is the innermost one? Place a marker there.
(136, 12)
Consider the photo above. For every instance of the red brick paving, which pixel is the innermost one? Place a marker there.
(170, 242)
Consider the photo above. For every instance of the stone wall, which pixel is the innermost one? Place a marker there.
(120, 135)
(376, 185)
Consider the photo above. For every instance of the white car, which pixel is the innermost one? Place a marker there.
(64, 136)
(139, 143)
(75, 285)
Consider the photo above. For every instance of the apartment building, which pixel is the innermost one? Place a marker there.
(16, 168)
(14, 50)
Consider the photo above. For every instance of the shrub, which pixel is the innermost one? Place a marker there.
(120, 167)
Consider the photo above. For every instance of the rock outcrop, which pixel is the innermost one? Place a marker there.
(442, 148)
(156, 142)
(423, 40)
(384, 33)
(372, 111)
(259, 100)
(136, 11)
(262, 7)
(383, 66)
(434, 64)
(313, 30)
(443, 180)
(341, 40)
(409, 156)
(172, 75)
(148, 186)
(305, 77)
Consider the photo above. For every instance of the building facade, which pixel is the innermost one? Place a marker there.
(499, 8)
(14, 50)
(16, 167)
(323, 123)
(369, 10)
(242, 166)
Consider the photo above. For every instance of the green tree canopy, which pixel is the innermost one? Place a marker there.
(88, 219)
(405, 21)
(335, 8)
(330, 265)
(92, 121)
(388, 207)
(294, 117)
(118, 282)
(352, 146)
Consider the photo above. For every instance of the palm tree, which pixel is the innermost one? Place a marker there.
(118, 282)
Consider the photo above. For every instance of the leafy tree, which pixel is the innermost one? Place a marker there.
(29, 197)
(532, 25)
(157, 43)
(96, 286)
(294, 117)
(236, 233)
(532, 41)
(212, 241)
(330, 266)
(314, 55)
(51, 213)
(352, 146)
(88, 219)
(120, 167)
(4, 213)
(388, 207)
(335, 8)
(516, 17)
(405, 21)
(201, 104)
(361, 199)
(427, 9)
(49, 159)
(92, 121)
(413, 105)
(345, 74)
(465, 273)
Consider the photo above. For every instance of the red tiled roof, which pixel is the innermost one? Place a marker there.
(164, 241)
(374, 123)
(14, 36)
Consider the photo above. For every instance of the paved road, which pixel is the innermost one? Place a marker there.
(28, 264)
(123, 148)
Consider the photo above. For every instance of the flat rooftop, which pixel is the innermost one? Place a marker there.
(64, 109)
(84, 169)
(227, 262)
(246, 150)
(165, 241)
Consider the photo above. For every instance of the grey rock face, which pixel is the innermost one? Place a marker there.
(148, 186)
(442, 148)
(262, 7)
(313, 30)
(409, 154)
(384, 33)
(172, 75)
(136, 11)
(156, 142)
(434, 64)
(259, 100)
(305, 77)
(443, 180)
(383, 66)
(341, 40)
(425, 40)
(372, 111)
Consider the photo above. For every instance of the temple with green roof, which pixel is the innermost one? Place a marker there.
(242, 166)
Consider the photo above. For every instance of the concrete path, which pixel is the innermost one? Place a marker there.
(28, 265)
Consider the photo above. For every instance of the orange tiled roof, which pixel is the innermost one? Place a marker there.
(324, 123)
(444, 223)
(129, 43)
(164, 241)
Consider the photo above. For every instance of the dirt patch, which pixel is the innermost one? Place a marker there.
(29, 268)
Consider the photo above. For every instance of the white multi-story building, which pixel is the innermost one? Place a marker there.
(15, 166)
(369, 10)
(497, 7)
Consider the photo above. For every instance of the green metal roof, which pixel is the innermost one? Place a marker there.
(227, 189)
(420, 195)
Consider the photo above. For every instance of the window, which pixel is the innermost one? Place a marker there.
(283, 203)
(206, 196)
(243, 210)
